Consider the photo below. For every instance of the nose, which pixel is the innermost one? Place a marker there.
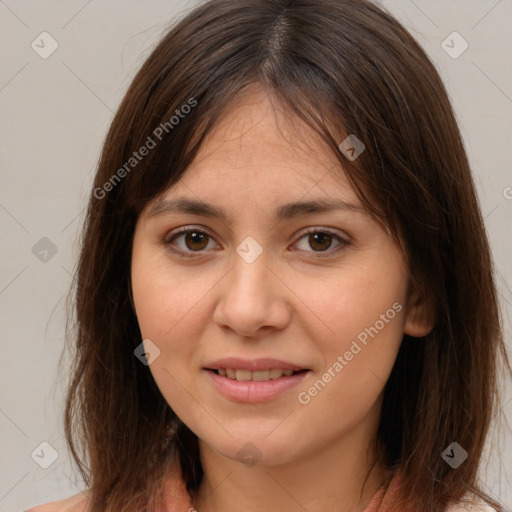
(253, 299)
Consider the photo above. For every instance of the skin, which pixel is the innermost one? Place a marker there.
(287, 304)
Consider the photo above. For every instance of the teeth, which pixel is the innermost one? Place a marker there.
(243, 375)
(260, 375)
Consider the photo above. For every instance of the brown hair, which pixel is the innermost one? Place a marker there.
(343, 67)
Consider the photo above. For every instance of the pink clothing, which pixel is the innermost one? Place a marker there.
(384, 500)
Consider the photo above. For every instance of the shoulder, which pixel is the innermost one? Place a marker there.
(471, 503)
(75, 503)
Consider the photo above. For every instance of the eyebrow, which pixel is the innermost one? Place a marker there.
(285, 211)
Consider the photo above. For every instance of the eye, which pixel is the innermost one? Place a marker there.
(321, 240)
(193, 240)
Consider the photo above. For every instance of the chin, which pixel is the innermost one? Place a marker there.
(254, 450)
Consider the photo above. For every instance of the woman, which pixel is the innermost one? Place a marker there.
(285, 296)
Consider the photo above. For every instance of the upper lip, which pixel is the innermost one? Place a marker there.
(265, 363)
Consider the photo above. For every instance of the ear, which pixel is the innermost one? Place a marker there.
(420, 317)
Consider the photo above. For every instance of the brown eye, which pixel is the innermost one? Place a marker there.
(195, 240)
(320, 241)
(188, 241)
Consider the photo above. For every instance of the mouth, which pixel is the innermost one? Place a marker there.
(242, 375)
(246, 386)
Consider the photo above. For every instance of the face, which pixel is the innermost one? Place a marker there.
(322, 290)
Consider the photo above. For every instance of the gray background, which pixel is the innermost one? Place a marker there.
(54, 115)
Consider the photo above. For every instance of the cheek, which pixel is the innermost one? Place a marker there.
(171, 305)
(168, 308)
(358, 329)
(165, 296)
(353, 298)
(357, 362)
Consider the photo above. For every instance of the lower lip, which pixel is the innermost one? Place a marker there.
(255, 391)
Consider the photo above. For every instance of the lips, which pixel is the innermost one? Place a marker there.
(255, 380)
(253, 391)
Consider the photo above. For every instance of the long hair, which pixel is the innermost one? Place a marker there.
(342, 67)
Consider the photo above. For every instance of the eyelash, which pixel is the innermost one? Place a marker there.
(168, 242)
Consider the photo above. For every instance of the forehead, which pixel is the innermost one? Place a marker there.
(254, 147)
